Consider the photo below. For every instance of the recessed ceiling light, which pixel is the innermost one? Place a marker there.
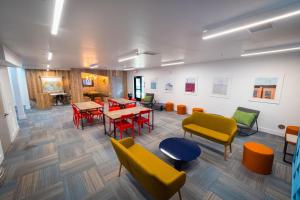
(50, 56)
(48, 66)
(273, 16)
(274, 50)
(177, 62)
(129, 56)
(57, 16)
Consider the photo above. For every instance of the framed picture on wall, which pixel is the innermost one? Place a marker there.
(169, 86)
(190, 86)
(221, 86)
(153, 84)
(267, 88)
(52, 84)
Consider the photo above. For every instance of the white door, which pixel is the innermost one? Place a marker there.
(4, 131)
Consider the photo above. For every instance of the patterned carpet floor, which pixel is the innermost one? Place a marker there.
(50, 159)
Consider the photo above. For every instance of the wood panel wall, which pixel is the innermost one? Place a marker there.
(72, 82)
(34, 82)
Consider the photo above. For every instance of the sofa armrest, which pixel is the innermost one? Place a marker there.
(187, 120)
(174, 184)
(127, 142)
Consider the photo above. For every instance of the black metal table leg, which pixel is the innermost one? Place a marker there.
(81, 119)
(104, 124)
(114, 128)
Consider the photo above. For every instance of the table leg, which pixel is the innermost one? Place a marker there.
(114, 128)
(177, 165)
(152, 123)
(104, 125)
(81, 119)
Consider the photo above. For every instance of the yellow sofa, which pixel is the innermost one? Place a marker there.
(212, 127)
(157, 177)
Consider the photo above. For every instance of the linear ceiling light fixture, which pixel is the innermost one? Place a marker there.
(93, 66)
(274, 50)
(50, 55)
(239, 26)
(132, 55)
(129, 69)
(57, 16)
(177, 62)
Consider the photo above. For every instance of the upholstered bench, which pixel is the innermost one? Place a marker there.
(258, 157)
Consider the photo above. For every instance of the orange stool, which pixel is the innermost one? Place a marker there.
(292, 130)
(169, 106)
(181, 109)
(198, 110)
(258, 157)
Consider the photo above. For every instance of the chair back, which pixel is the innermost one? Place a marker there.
(144, 112)
(128, 117)
(132, 105)
(112, 103)
(152, 97)
(248, 110)
(75, 109)
(113, 108)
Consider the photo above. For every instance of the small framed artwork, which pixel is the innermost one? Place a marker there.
(221, 86)
(169, 86)
(153, 84)
(190, 86)
(267, 88)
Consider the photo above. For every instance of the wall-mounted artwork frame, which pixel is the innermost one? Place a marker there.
(153, 84)
(169, 86)
(191, 85)
(52, 84)
(221, 86)
(267, 88)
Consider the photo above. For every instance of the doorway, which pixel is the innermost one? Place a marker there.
(4, 132)
(139, 88)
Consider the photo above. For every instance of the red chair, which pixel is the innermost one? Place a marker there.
(111, 121)
(126, 122)
(77, 116)
(132, 105)
(143, 118)
(112, 103)
(96, 113)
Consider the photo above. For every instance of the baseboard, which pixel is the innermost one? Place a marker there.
(271, 131)
(14, 135)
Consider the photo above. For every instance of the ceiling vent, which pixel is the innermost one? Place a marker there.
(263, 27)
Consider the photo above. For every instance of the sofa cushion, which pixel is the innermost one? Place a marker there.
(208, 133)
(153, 163)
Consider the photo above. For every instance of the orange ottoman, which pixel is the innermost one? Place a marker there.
(169, 107)
(181, 109)
(293, 130)
(258, 157)
(198, 110)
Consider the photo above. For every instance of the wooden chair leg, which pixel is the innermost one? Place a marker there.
(120, 169)
(179, 194)
(230, 148)
(225, 152)
(184, 133)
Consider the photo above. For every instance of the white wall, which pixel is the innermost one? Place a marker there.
(6, 91)
(23, 87)
(242, 72)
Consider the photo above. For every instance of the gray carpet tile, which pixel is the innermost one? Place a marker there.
(51, 159)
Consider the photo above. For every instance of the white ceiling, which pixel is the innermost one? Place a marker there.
(98, 31)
